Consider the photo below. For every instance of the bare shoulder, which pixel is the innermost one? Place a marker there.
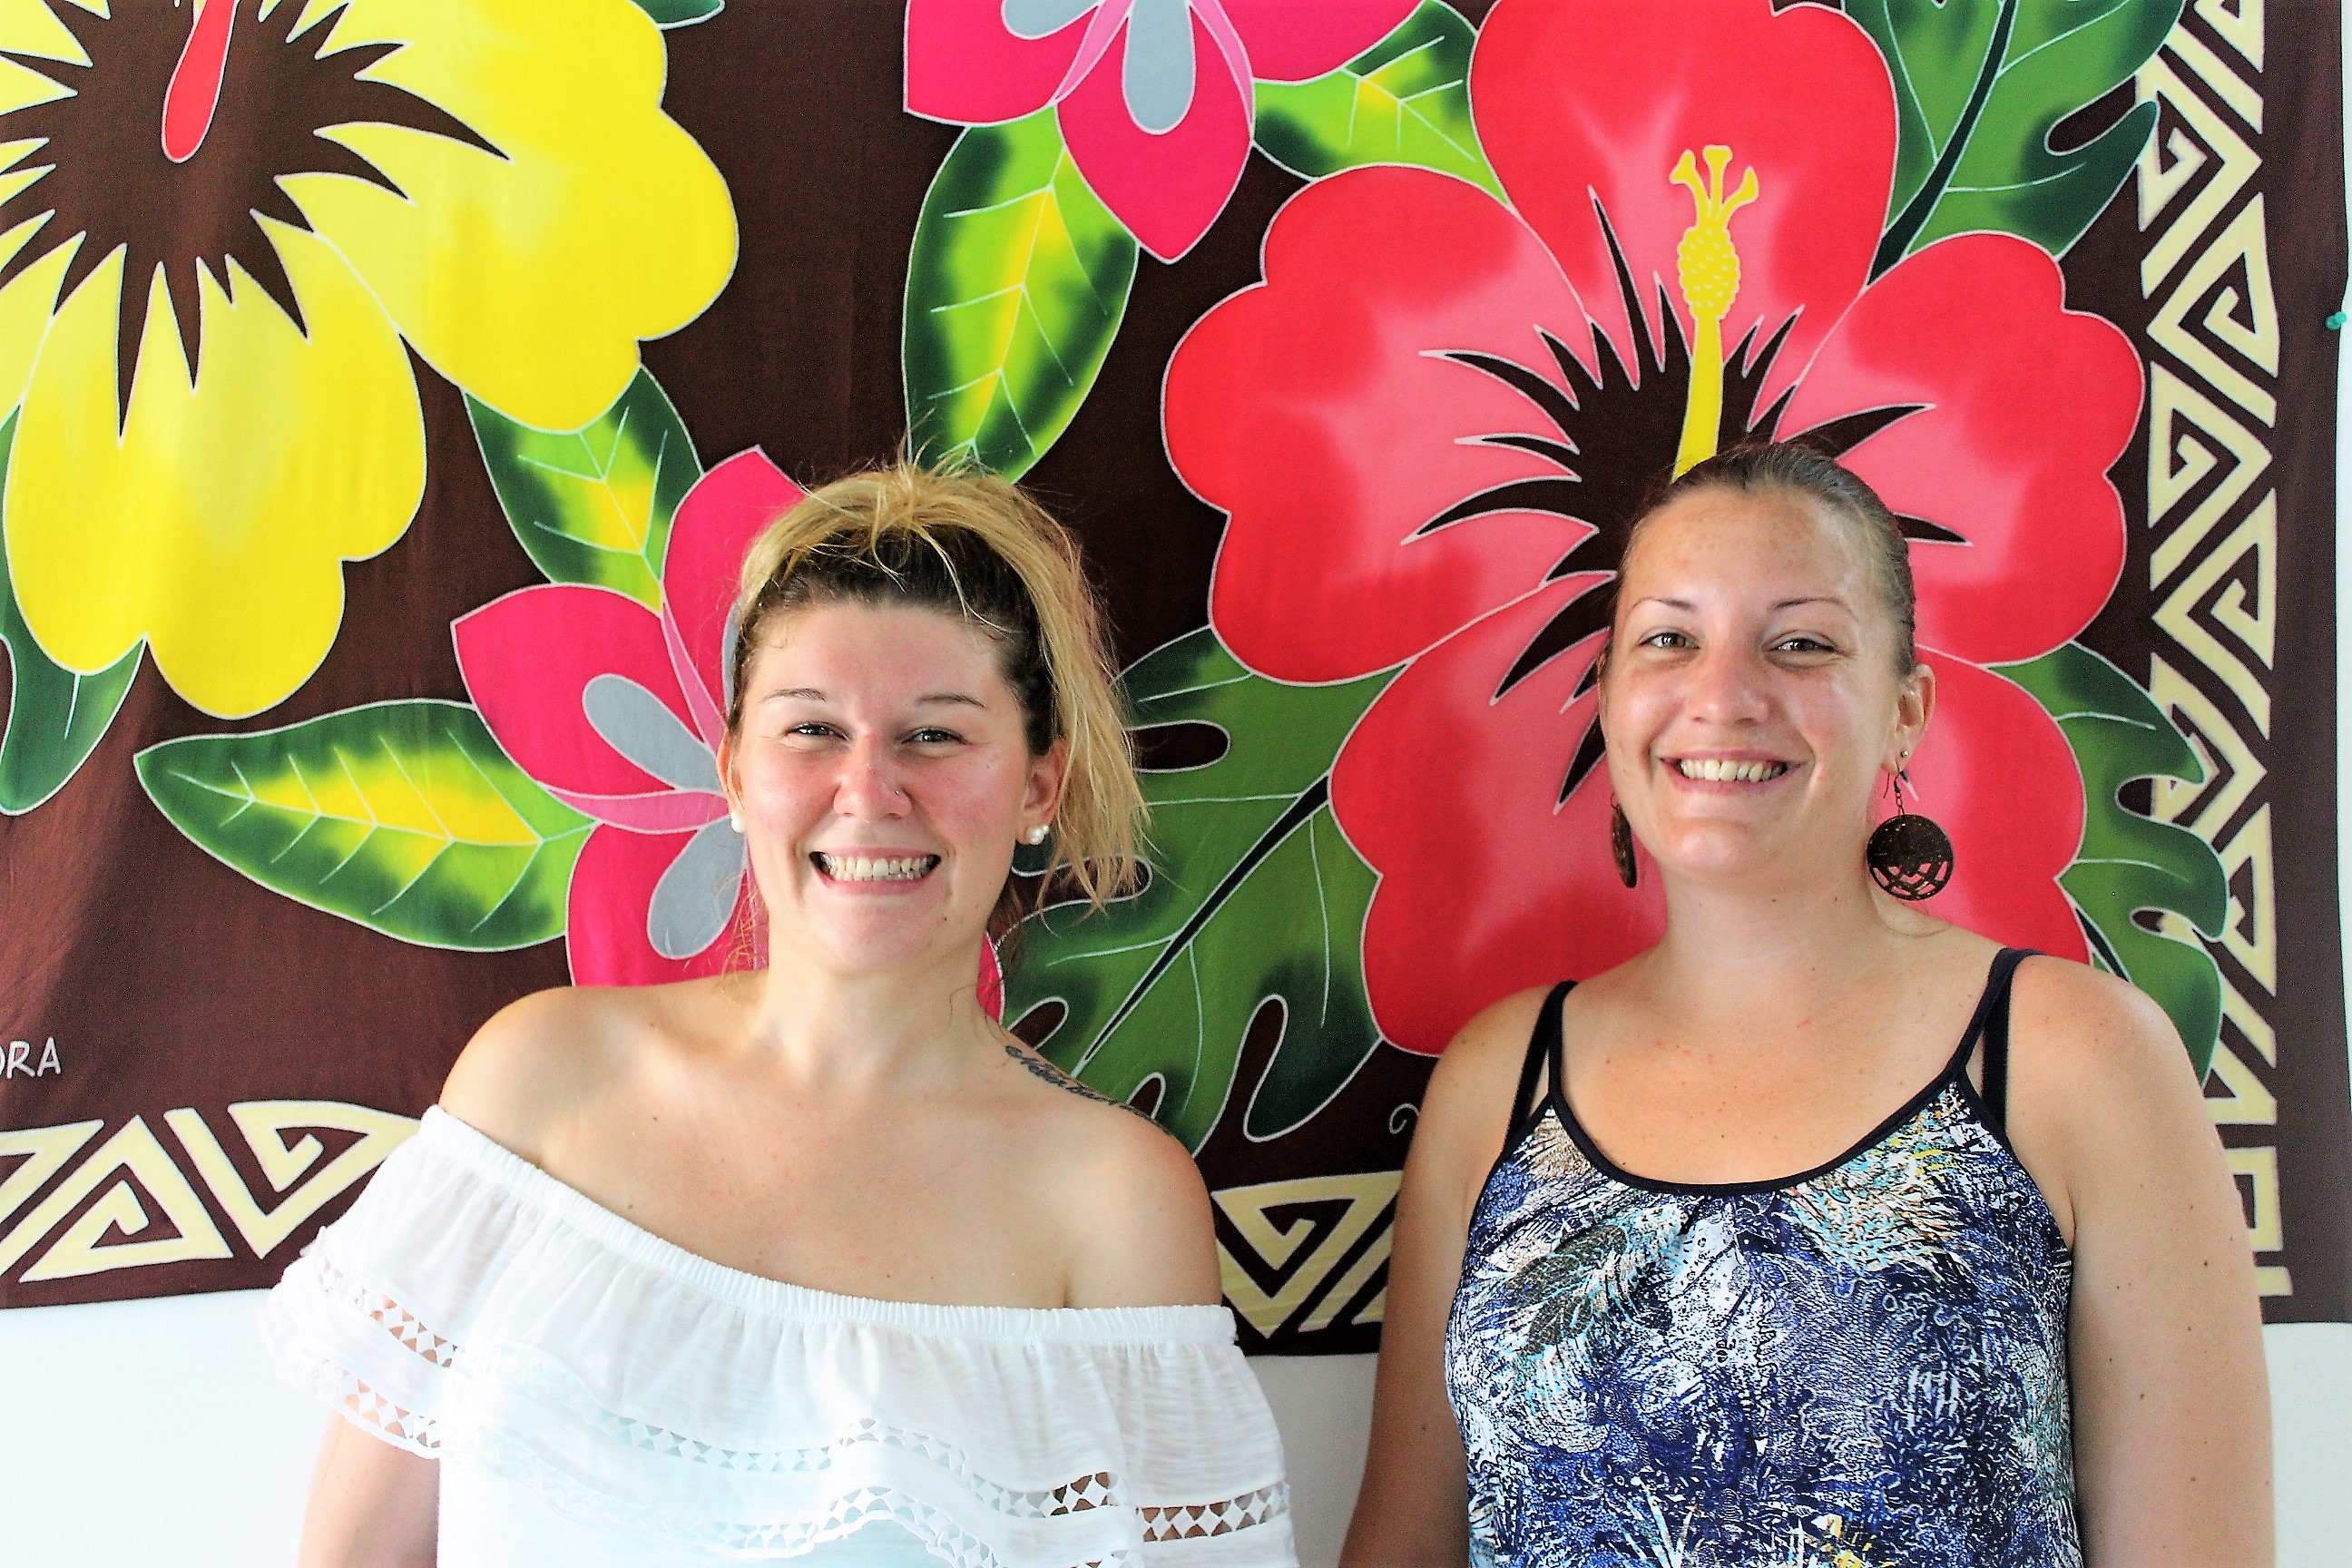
(1465, 1113)
(1134, 1206)
(1104, 1147)
(2077, 1028)
(2102, 1098)
(528, 1072)
(1474, 1079)
(1139, 1167)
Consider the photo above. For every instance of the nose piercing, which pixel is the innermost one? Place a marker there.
(1037, 834)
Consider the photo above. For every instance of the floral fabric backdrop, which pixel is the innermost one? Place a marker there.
(391, 386)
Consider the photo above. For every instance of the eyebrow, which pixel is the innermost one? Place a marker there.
(1778, 603)
(811, 694)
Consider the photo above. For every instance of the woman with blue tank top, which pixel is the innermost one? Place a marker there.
(1823, 1231)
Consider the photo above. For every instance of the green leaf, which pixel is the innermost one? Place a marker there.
(1978, 90)
(2130, 864)
(1015, 287)
(404, 816)
(680, 13)
(56, 717)
(593, 505)
(1254, 898)
(1405, 101)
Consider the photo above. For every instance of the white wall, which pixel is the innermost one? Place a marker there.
(144, 1433)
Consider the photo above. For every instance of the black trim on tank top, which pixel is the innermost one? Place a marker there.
(1991, 1102)
(1988, 1022)
(1527, 1106)
(1995, 1093)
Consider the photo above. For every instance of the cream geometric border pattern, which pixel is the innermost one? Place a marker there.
(1306, 1250)
(2213, 565)
(1328, 1219)
(134, 1160)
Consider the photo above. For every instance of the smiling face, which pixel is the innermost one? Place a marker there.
(1750, 701)
(883, 774)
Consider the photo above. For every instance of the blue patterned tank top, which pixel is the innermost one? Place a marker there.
(1861, 1366)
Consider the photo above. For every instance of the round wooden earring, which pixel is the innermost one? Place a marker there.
(1908, 854)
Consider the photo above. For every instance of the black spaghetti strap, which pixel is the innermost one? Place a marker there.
(1543, 1048)
(1996, 1035)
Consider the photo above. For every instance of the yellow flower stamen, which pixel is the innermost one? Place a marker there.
(1709, 266)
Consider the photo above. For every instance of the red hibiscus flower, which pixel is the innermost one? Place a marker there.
(1155, 96)
(1432, 423)
(618, 712)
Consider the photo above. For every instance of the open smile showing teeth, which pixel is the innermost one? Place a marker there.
(876, 869)
(1722, 770)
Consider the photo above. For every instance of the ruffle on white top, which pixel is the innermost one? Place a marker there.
(473, 1309)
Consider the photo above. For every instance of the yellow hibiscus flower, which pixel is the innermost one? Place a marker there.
(223, 226)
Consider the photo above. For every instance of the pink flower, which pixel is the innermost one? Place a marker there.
(618, 710)
(1155, 96)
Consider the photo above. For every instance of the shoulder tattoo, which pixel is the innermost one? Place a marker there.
(1038, 1067)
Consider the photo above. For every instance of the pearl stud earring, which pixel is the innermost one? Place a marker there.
(1037, 834)
(735, 820)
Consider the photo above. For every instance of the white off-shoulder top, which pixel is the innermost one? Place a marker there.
(596, 1394)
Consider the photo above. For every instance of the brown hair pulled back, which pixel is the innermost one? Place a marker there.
(1795, 469)
(968, 544)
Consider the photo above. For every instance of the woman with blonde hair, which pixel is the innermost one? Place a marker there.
(814, 1260)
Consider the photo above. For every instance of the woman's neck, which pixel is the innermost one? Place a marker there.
(839, 1032)
(1735, 954)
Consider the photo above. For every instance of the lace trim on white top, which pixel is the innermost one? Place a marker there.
(487, 1362)
(359, 1400)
